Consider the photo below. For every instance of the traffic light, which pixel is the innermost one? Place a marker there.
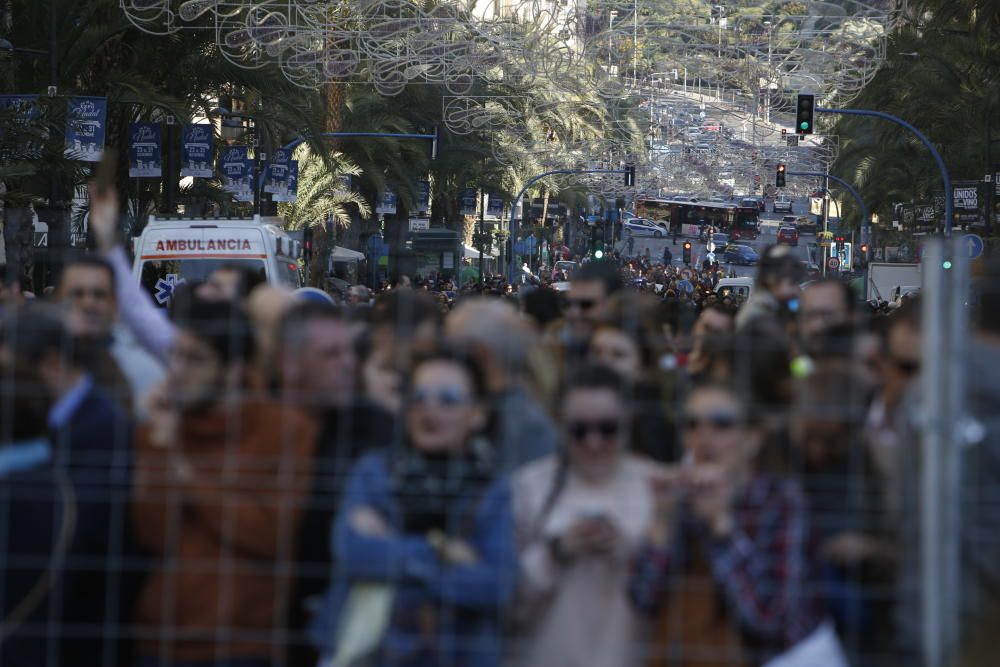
(864, 249)
(597, 241)
(629, 175)
(804, 114)
(307, 243)
(687, 252)
(779, 176)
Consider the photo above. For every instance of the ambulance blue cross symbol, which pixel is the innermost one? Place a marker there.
(165, 288)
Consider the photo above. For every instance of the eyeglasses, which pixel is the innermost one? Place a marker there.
(719, 421)
(906, 367)
(445, 396)
(582, 304)
(606, 428)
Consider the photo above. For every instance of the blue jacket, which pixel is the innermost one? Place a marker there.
(467, 599)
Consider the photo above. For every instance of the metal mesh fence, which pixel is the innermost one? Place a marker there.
(625, 473)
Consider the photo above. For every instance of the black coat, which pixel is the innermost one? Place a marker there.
(68, 539)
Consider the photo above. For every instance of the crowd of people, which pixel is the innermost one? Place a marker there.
(621, 475)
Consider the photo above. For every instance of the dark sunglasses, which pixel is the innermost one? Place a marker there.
(906, 367)
(446, 396)
(582, 304)
(719, 421)
(606, 428)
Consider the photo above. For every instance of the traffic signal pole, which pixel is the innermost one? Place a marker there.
(865, 221)
(945, 178)
(517, 200)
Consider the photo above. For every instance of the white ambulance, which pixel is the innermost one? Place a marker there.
(174, 250)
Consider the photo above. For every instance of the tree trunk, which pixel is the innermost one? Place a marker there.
(323, 241)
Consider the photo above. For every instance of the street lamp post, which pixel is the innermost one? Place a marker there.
(611, 26)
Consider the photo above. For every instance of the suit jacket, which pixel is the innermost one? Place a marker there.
(67, 541)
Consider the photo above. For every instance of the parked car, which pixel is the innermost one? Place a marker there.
(644, 227)
(720, 240)
(782, 204)
(740, 254)
(788, 234)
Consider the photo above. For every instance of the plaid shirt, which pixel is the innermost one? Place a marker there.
(763, 568)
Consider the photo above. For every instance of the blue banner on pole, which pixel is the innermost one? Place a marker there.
(236, 170)
(275, 180)
(21, 110)
(468, 203)
(423, 196)
(494, 206)
(197, 150)
(145, 159)
(388, 204)
(291, 193)
(86, 125)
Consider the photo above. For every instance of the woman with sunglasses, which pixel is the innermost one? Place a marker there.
(429, 522)
(579, 516)
(726, 565)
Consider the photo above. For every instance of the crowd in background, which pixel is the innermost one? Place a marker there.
(634, 472)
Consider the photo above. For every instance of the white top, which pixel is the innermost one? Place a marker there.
(579, 615)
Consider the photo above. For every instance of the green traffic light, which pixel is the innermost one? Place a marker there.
(598, 254)
(804, 125)
(947, 265)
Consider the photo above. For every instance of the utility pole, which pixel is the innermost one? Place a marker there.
(482, 235)
(826, 210)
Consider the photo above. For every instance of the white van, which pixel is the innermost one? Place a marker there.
(734, 287)
(171, 251)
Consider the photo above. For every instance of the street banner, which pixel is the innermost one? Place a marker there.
(20, 111)
(276, 176)
(197, 150)
(966, 203)
(494, 205)
(86, 125)
(468, 202)
(291, 193)
(423, 196)
(237, 171)
(388, 204)
(145, 157)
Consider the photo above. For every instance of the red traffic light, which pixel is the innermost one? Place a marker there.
(687, 245)
(781, 167)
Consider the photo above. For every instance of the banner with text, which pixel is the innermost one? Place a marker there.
(423, 196)
(20, 111)
(494, 205)
(197, 150)
(468, 202)
(145, 158)
(237, 171)
(388, 204)
(291, 192)
(275, 180)
(86, 125)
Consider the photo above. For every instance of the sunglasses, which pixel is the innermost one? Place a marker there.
(606, 428)
(445, 396)
(718, 421)
(582, 304)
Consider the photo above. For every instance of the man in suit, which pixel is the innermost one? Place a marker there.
(71, 500)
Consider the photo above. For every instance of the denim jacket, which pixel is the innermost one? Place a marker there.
(466, 600)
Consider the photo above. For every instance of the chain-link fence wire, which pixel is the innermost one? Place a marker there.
(607, 476)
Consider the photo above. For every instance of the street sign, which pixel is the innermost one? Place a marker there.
(710, 246)
(833, 263)
(975, 245)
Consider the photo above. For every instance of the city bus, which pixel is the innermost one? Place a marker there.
(687, 218)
